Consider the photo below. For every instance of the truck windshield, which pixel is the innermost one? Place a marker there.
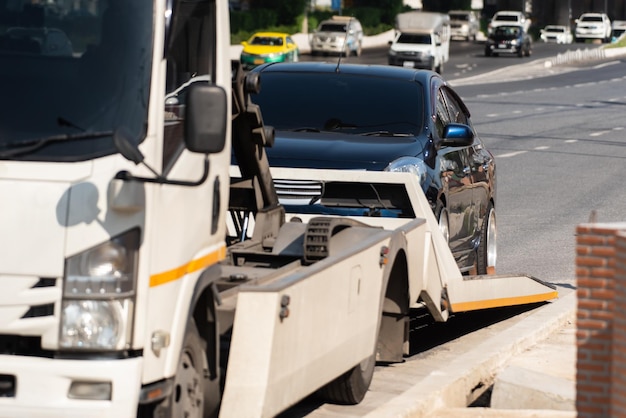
(70, 69)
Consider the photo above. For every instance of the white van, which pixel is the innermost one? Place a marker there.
(421, 40)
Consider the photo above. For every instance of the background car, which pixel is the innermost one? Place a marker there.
(508, 17)
(594, 26)
(618, 29)
(265, 47)
(558, 34)
(384, 118)
(508, 39)
(340, 35)
(464, 24)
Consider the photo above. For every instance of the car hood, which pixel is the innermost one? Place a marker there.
(340, 151)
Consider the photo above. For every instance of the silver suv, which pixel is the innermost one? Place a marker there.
(593, 26)
(342, 35)
(464, 24)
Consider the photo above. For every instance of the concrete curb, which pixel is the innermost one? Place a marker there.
(449, 385)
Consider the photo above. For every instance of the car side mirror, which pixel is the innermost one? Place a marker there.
(457, 135)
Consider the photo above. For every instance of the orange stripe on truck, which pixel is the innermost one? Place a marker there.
(497, 303)
(194, 265)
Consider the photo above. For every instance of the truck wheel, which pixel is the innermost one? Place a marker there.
(487, 249)
(350, 388)
(191, 392)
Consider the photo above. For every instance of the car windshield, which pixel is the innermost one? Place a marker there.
(507, 31)
(507, 18)
(413, 38)
(333, 27)
(267, 40)
(459, 17)
(554, 29)
(591, 19)
(71, 72)
(346, 103)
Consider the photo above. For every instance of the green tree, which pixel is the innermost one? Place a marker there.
(286, 11)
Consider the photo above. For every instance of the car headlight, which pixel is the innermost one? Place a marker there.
(514, 42)
(99, 290)
(409, 165)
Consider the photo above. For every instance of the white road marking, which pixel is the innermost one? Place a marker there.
(570, 141)
(511, 154)
(542, 147)
(599, 133)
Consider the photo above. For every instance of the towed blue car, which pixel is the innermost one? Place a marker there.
(385, 118)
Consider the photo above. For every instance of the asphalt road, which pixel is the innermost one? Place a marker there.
(560, 148)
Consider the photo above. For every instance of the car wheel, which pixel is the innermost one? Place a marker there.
(521, 52)
(350, 388)
(487, 52)
(487, 249)
(443, 221)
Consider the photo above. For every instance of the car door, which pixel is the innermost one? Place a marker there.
(481, 164)
(456, 181)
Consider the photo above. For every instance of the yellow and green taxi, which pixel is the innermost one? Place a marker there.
(265, 47)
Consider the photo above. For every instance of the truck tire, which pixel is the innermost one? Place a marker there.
(350, 388)
(191, 394)
(487, 249)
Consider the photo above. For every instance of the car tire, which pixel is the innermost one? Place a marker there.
(443, 221)
(487, 52)
(486, 254)
(350, 388)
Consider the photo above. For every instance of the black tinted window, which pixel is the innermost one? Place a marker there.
(335, 101)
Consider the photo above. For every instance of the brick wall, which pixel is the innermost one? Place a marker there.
(601, 320)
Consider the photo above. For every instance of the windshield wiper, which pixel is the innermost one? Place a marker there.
(25, 147)
(386, 133)
(305, 129)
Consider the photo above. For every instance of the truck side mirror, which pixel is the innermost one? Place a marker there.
(206, 118)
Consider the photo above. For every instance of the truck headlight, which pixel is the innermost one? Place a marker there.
(409, 165)
(99, 290)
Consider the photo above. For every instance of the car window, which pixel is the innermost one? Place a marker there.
(442, 119)
(455, 110)
(340, 103)
(592, 19)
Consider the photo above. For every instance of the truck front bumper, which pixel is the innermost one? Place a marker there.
(40, 387)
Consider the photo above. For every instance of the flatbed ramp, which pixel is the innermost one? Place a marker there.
(451, 375)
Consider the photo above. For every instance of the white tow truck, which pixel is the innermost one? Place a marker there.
(122, 293)
(421, 40)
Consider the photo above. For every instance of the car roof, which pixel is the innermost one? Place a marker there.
(370, 70)
(274, 34)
